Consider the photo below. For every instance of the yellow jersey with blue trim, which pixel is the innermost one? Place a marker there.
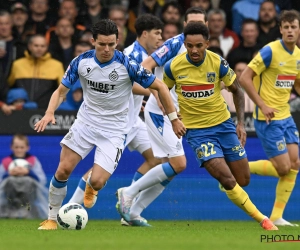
(198, 86)
(276, 70)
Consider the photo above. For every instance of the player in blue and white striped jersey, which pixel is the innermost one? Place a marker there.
(106, 76)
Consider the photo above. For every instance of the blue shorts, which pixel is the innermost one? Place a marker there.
(220, 141)
(275, 135)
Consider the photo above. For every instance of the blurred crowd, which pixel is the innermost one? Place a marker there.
(39, 38)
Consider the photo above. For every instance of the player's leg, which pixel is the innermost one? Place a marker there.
(107, 156)
(79, 192)
(280, 142)
(218, 169)
(72, 152)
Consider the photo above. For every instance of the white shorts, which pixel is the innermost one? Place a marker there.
(138, 138)
(163, 140)
(82, 138)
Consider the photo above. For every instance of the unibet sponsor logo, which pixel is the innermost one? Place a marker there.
(285, 81)
(197, 91)
(101, 87)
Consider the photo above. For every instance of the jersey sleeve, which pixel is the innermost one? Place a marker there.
(262, 60)
(227, 75)
(168, 78)
(71, 75)
(167, 51)
(139, 74)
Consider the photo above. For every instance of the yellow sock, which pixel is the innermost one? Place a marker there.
(240, 198)
(284, 189)
(263, 167)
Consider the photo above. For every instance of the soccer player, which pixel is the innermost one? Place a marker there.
(103, 116)
(165, 144)
(268, 80)
(148, 29)
(218, 144)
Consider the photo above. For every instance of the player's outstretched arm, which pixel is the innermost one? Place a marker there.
(137, 89)
(246, 80)
(56, 99)
(165, 97)
(239, 103)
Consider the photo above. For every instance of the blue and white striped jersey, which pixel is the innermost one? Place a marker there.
(136, 52)
(168, 50)
(107, 88)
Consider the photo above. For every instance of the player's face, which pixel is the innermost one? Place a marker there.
(105, 47)
(153, 40)
(196, 46)
(195, 18)
(19, 148)
(290, 31)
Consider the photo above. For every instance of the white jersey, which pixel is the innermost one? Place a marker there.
(170, 48)
(107, 89)
(136, 52)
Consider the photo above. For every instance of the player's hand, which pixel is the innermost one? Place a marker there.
(41, 125)
(143, 106)
(241, 133)
(269, 113)
(178, 128)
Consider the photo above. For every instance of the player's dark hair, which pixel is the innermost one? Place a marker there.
(147, 22)
(289, 16)
(104, 27)
(196, 28)
(195, 10)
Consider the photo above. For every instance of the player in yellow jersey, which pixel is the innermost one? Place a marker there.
(216, 141)
(268, 80)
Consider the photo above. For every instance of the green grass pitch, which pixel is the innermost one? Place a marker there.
(164, 235)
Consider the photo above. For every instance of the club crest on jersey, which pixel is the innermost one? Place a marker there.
(280, 145)
(210, 76)
(298, 64)
(200, 152)
(285, 81)
(162, 51)
(88, 69)
(197, 91)
(113, 76)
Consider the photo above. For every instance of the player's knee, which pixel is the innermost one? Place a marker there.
(63, 173)
(180, 167)
(228, 182)
(295, 165)
(243, 182)
(283, 170)
(178, 164)
(153, 162)
(97, 184)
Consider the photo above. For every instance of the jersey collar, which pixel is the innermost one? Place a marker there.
(196, 64)
(287, 50)
(102, 65)
(141, 47)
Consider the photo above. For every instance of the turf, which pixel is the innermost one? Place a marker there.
(165, 235)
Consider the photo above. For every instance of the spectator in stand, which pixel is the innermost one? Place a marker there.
(21, 30)
(39, 19)
(86, 36)
(268, 23)
(37, 72)
(214, 42)
(62, 48)
(22, 187)
(248, 46)
(170, 30)
(9, 51)
(249, 106)
(81, 47)
(217, 27)
(67, 9)
(92, 13)
(118, 14)
(203, 4)
(171, 13)
(18, 98)
(216, 49)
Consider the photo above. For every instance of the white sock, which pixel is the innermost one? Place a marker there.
(79, 192)
(146, 197)
(56, 197)
(153, 176)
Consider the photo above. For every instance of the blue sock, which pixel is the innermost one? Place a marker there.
(168, 169)
(137, 176)
(58, 184)
(82, 184)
